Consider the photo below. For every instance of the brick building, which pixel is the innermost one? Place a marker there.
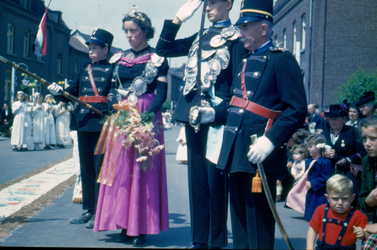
(19, 21)
(335, 38)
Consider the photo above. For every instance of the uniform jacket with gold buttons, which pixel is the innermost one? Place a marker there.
(102, 74)
(273, 80)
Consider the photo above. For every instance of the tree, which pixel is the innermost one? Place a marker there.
(357, 83)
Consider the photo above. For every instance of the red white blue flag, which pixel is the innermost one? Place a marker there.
(40, 42)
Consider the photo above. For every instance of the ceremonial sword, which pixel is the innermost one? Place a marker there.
(44, 82)
(271, 202)
(198, 76)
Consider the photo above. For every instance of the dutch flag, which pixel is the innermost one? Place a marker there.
(40, 43)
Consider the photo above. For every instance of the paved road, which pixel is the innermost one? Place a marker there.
(50, 227)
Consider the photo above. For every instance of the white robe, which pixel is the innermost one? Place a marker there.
(22, 121)
(38, 123)
(182, 147)
(62, 125)
(50, 133)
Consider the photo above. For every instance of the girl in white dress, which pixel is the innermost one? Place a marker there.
(21, 139)
(182, 147)
(50, 133)
(38, 123)
(62, 124)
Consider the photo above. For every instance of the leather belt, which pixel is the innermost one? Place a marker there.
(255, 108)
(93, 99)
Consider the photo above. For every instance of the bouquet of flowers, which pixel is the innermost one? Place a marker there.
(137, 130)
(28, 81)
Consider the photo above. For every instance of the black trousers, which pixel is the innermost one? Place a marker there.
(90, 165)
(253, 225)
(208, 192)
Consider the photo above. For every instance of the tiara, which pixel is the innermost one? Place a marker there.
(135, 13)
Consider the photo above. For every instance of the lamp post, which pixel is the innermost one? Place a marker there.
(14, 79)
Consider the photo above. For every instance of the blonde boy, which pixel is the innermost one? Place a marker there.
(334, 222)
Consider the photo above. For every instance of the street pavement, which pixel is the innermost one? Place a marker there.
(50, 227)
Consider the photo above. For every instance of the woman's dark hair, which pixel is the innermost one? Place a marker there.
(146, 25)
(301, 149)
(353, 106)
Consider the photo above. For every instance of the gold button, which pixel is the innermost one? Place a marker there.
(248, 93)
(84, 88)
(240, 111)
(235, 129)
(107, 69)
(234, 91)
(256, 73)
(239, 74)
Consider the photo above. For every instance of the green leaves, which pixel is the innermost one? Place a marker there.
(359, 82)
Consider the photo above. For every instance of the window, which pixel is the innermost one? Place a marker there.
(10, 38)
(7, 85)
(59, 65)
(26, 43)
(285, 38)
(276, 41)
(294, 37)
(303, 32)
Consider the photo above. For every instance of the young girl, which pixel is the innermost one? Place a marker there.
(299, 154)
(38, 122)
(21, 139)
(319, 171)
(182, 147)
(62, 124)
(50, 133)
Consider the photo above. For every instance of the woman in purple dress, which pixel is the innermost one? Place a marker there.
(132, 198)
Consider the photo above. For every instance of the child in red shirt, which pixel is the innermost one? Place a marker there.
(334, 223)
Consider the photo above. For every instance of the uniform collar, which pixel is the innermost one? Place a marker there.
(266, 46)
(222, 23)
(100, 62)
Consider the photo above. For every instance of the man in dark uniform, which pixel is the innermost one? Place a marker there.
(6, 119)
(268, 100)
(92, 85)
(207, 186)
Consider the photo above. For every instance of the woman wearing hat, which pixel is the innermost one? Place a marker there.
(346, 143)
(367, 104)
(50, 133)
(21, 131)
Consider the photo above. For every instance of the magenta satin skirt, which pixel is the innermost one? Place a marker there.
(137, 200)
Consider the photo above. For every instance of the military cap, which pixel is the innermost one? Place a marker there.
(255, 10)
(101, 37)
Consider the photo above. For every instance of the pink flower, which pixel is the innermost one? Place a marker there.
(141, 159)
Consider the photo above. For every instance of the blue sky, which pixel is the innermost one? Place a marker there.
(87, 15)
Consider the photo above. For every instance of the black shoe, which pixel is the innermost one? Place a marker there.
(198, 246)
(90, 223)
(61, 146)
(14, 148)
(84, 218)
(47, 147)
(139, 240)
(123, 237)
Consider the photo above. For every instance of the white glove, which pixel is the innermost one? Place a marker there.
(207, 115)
(260, 150)
(54, 89)
(188, 10)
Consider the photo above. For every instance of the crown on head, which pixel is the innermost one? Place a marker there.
(134, 13)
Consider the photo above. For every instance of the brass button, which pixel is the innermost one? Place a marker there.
(102, 79)
(234, 91)
(85, 89)
(239, 74)
(235, 129)
(256, 74)
(248, 93)
(107, 69)
(240, 111)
